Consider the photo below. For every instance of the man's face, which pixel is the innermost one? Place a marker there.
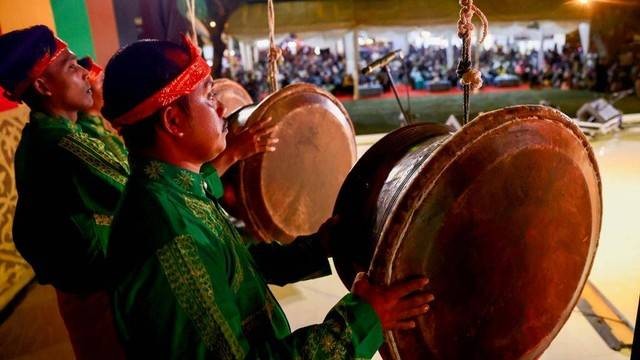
(205, 137)
(67, 84)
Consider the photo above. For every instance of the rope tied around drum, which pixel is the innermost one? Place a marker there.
(470, 77)
(275, 53)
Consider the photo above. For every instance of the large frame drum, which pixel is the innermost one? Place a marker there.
(503, 217)
(290, 192)
(231, 94)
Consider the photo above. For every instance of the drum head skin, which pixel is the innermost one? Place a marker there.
(504, 218)
(292, 191)
(231, 94)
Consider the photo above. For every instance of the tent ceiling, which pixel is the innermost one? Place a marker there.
(250, 20)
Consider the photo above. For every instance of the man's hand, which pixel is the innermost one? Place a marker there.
(397, 305)
(253, 140)
(246, 143)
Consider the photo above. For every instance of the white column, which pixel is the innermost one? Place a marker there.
(541, 51)
(230, 43)
(253, 49)
(450, 59)
(340, 46)
(584, 29)
(243, 54)
(351, 56)
(246, 55)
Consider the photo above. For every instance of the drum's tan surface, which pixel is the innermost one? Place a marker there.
(292, 191)
(504, 218)
(231, 94)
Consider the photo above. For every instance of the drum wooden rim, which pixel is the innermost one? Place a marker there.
(389, 148)
(394, 228)
(224, 87)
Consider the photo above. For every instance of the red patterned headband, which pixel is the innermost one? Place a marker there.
(184, 84)
(38, 69)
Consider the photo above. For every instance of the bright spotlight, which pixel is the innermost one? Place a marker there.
(212, 24)
(583, 2)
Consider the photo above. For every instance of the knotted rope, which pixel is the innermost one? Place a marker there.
(470, 77)
(275, 53)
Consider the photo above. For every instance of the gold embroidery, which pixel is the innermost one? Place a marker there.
(205, 212)
(185, 180)
(328, 342)
(94, 153)
(153, 170)
(102, 219)
(191, 285)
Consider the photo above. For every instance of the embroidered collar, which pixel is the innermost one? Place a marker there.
(90, 119)
(179, 178)
(48, 121)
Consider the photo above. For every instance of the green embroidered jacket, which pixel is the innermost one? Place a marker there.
(184, 286)
(70, 178)
(94, 126)
(68, 187)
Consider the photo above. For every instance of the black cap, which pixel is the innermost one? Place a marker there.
(20, 50)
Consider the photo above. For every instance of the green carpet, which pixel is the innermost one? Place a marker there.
(381, 115)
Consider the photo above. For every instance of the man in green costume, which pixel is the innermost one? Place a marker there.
(68, 185)
(70, 175)
(183, 284)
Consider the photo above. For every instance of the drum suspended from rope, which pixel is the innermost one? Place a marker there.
(231, 94)
(503, 217)
(291, 192)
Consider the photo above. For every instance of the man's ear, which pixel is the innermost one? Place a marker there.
(41, 87)
(171, 121)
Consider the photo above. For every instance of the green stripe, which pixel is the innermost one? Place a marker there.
(72, 25)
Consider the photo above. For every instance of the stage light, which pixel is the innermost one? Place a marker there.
(212, 24)
(583, 2)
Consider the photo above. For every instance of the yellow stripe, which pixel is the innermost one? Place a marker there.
(21, 14)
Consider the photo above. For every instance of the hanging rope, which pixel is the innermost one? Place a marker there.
(470, 77)
(191, 9)
(274, 51)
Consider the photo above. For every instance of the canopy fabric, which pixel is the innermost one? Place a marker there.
(250, 20)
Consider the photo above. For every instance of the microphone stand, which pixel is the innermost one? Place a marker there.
(406, 120)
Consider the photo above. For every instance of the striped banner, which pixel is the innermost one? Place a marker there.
(103, 29)
(72, 25)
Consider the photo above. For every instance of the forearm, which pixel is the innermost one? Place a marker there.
(303, 259)
(224, 161)
(351, 330)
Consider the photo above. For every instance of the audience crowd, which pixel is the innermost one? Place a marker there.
(566, 68)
